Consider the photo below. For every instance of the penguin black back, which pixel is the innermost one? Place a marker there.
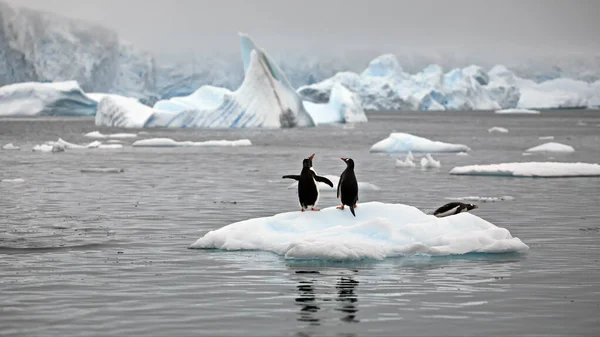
(347, 190)
(453, 208)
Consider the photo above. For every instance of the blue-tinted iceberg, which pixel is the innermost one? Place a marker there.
(46, 99)
(399, 142)
(378, 231)
(343, 107)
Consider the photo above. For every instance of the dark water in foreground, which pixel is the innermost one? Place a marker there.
(86, 254)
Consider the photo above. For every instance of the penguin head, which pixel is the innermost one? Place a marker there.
(349, 162)
(471, 206)
(307, 162)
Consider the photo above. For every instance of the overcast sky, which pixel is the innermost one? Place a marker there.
(503, 26)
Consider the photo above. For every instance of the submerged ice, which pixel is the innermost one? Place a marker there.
(378, 231)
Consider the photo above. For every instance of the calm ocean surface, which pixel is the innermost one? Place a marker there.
(90, 254)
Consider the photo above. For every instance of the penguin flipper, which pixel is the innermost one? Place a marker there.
(323, 180)
(291, 176)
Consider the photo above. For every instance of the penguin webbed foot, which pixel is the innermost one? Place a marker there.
(302, 210)
(355, 205)
(340, 207)
(314, 209)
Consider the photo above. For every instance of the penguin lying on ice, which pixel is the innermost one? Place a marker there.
(347, 190)
(453, 208)
(308, 189)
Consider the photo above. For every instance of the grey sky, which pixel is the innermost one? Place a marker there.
(338, 26)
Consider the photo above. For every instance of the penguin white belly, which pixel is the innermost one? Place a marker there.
(448, 212)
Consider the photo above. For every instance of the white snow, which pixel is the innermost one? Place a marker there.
(404, 142)
(497, 129)
(484, 199)
(531, 169)
(10, 146)
(552, 147)
(99, 135)
(546, 138)
(33, 99)
(16, 180)
(429, 162)
(517, 111)
(102, 170)
(168, 142)
(378, 231)
(362, 185)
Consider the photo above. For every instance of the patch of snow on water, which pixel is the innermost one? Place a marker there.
(497, 129)
(399, 142)
(378, 231)
(429, 162)
(10, 146)
(531, 169)
(16, 180)
(168, 142)
(517, 111)
(552, 147)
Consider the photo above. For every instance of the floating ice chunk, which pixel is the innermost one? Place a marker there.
(102, 170)
(48, 99)
(407, 162)
(49, 147)
(429, 162)
(16, 180)
(110, 146)
(404, 142)
(10, 146)
(362, 185)
(517, 111)
(410, 156)
(531, 169)
(99, 135)
(484, 199)
(343, 107)
(581, 123)
(168, 142)
(552, 147)
(497, 129)
(462, 154)
(378, 231)
(546, 138)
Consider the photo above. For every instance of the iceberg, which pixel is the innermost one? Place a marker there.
(343, 107)
(517, 111)
(124, 112)
(168, 142)
(531, 169)
(497, 129)
(45, 99)
(404, 142)
(378, 231)
(557, 93)
(429, 162)
(552, 147)
(10, 146)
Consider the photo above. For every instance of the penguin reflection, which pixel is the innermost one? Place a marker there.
(347, 298)
(307, 299)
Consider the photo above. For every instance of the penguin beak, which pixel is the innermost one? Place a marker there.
(311, 156)
(344, 159)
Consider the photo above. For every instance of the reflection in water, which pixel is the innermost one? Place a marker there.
(347, 298)
(307, 299)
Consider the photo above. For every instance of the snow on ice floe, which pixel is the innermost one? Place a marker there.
(10, 146)
(399, 142)
(517, 111)
(429, 162)
(552, 147)
(45, 99)
(168, 142)
(15, 180)
(497, 129)
(531, 169)
(362, 185)
(99, 135)
(102, 170)
(378, 231)
(483, 199)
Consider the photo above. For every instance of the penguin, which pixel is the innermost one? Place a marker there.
(347, 190)
(308, 189)
(453, 208)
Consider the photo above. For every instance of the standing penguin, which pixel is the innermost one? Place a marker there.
(453, 208)
(308, 189)
(347, 190)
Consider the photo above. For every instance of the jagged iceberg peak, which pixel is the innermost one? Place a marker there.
(386, 65)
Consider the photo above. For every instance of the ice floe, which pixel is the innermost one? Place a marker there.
(531, 169)
(497, 129)
(552, 147)
(517, 111)
(546, 137)
(16, 180)
(462, 154)
(168, 142)
(102, 170)
(99, 135)
(429, 162)
(378, 231)
(399, 142)
(10, 146)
